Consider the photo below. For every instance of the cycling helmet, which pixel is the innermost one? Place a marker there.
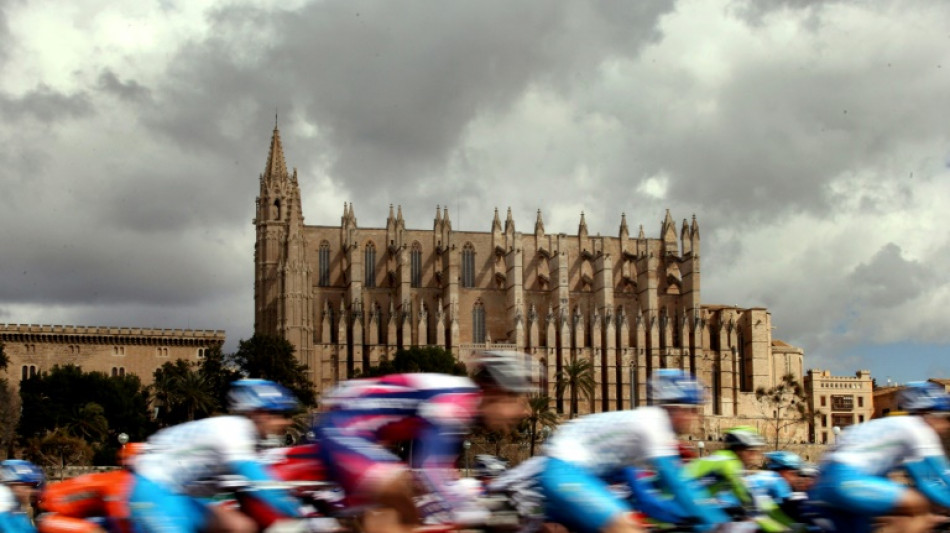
(808, 470)
(19, 471)
(672, 386)
(128, 452)
(743, 437)
(924, 397)
(783, 461)
(248, 395)
(504, 370)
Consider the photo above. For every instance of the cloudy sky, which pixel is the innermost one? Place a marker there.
(811, 141)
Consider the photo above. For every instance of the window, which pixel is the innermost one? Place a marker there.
(860, 401)
(201, 353)
(369, 261)
(324, 264)
(468, 266)
(118, 371)
(842, 421)
(860, 418)
(27, 371)
(161, 352)
(415, 260)
(478, 323)
(842, 402)
(118, 350)
(823, 403)
(824, 421)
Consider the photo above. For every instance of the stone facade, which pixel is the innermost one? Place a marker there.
(347, 295)
(113, 350)
(838, 402)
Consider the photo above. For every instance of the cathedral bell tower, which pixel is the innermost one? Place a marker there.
(283, 303)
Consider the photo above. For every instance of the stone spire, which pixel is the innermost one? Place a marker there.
(509, 223)
(445, 219)
(582, 227)
(438, 218)
(539, 225)
(400, 223)
(276, 166)
(624, 231)
(641, 235)
(694, 229)
(496, 223)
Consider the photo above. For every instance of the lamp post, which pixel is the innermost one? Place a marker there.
(701, 446)
(466, 445)
(837, 431)
(123, 439)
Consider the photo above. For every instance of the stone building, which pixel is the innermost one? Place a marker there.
(347, 295)
(113, 350)
(838, 402)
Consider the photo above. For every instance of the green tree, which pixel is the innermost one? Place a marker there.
(9, 417)
(219, 374)
(57, 448)
(577, 377)
(541, 415)
(58, 400)
(90, 424)
(270, 357)
(418, 359)
(784, 406)
(182, 392)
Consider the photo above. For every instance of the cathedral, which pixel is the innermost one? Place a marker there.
(347, 295)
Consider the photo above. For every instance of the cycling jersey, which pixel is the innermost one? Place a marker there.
(432, 411)
(12, 518)
(878, 446)
(606, 442)
(853, 475)
(101, 495)
(186, 462)
(585, 452)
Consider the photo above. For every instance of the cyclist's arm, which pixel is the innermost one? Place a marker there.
(239, 454)
(931, 475)
(692, 500)
(651, 501)
(15, 523)
(436, 451)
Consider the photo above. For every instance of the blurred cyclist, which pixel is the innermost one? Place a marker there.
(102, 497)
(21, 481)
(583, 454)
(434, 412)
(853, 475)
(726, 473)
(183, 464)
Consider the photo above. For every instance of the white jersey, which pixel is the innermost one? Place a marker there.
(605, 442)
(187, 457)
(879, 446)
(8, 502)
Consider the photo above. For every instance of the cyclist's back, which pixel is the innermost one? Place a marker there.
(853, 480)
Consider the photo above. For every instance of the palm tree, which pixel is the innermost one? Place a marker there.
(578, 377)
(541, 413)
(194, 394)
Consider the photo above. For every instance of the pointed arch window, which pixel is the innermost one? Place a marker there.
(468, 266)
(323, 258)
(478, 323)
(369, 263)
(415, 261)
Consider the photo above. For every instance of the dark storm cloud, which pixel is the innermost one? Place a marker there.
(127, 90)
(391, 86)
(45, 104)
(887, 279)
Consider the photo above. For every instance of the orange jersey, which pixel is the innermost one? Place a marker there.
(102, 494)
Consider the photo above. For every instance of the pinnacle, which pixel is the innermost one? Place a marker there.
(276, 166)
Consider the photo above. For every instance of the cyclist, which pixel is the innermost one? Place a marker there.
(724, 474)
(433, 411)
(853, 478)
(19, 485)
(183, 463)
(86, 503)
(584, 455)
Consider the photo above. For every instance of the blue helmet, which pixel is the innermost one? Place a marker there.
(19, 471)
(923, 397)
(248, 395)
(783, 461)
(672, 386)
